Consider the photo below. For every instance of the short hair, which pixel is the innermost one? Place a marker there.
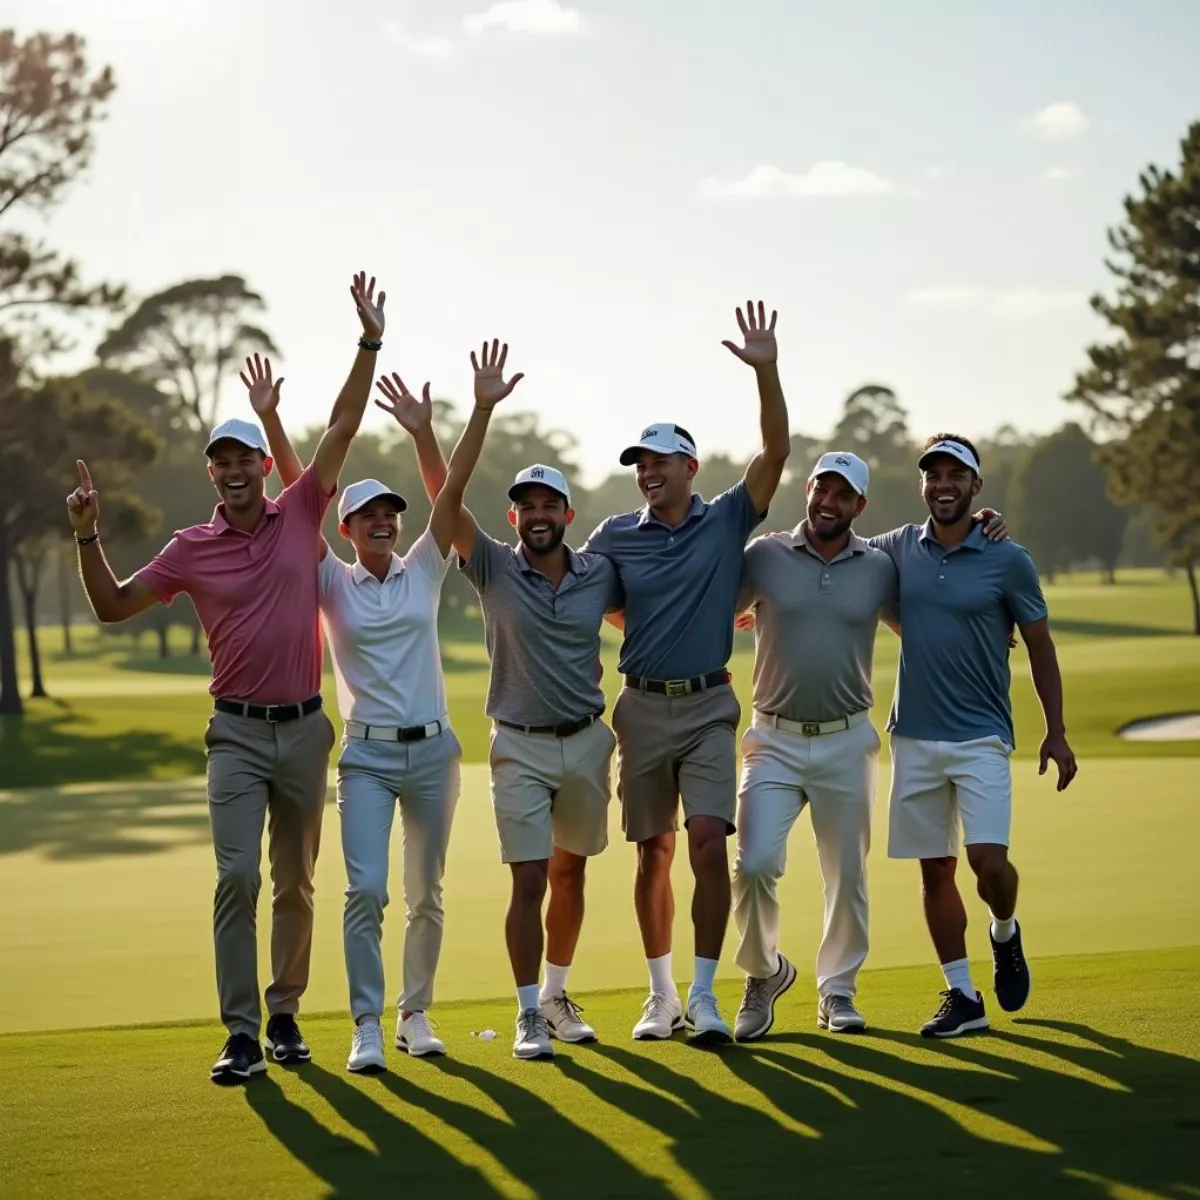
(953, 437)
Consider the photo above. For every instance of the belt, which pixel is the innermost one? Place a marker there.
(678, 687)
(393, 733)
(565, 730)
(810, 728)
(268, 712)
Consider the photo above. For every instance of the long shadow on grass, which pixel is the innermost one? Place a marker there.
(400, 1158)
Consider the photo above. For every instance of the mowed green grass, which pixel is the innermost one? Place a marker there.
(1093, 1092)
(119, 713)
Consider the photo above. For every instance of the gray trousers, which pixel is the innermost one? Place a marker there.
(258, 769)
(372, 776)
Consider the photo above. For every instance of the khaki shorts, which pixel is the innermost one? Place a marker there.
(549, 791)
(668, 746)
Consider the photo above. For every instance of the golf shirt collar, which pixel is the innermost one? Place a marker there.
(696, 508)
(220, 524)
(361, 574)
(574, 563)
(975, 539)
(855, 545)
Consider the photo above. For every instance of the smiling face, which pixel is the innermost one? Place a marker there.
(948, 487)
(832, 506)
(665, 479)
(540, 516)
(373, 529)
(238, 473)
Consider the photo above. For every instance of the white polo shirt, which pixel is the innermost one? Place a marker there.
(384, 636)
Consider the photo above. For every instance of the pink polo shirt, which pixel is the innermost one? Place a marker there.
(257, 595)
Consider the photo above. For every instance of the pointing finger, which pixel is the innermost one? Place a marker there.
(84, 476)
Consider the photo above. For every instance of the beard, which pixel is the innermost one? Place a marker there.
(960, 510)
(825, 532)
(550, 541)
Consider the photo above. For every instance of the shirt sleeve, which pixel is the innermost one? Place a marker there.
(889, 608)
(889, 543)
(307, 497)
(327, 571)
(615, 600)
(165, 573)
(736, 507)
(600, 540)
(487, 559)
(748, 587)
(423, 556)
(1023, 589)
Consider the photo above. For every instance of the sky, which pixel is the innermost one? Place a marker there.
(921, 190)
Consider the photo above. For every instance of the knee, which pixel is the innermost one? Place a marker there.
(368, 891)
(567, 871)
(239, 879)
(529, 883)
(754, 865)
(654, 857)
(989, 862)
(708, 852)
(937, 874)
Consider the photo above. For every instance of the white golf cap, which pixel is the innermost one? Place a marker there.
(363, 492)
(952, 448)
(235, 430)
(543, 475)
(849, 466)
(664, 438)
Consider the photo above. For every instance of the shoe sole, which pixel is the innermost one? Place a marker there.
(852, 1027)
(367, 1069)
(586, 1040)
(974, 1026)
(401, 1044)
(765, 1029)
(229, 1078)
(676, 1026)
(708, 1037)
(541, 1055)
(288, 1056)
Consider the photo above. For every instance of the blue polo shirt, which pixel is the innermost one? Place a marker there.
(957, 611)
(681, 585)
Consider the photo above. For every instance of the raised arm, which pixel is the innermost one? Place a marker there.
(351, 403)
(1047, 682)
(761, 352)
(111, 601)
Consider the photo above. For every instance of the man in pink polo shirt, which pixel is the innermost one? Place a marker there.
(252, 574)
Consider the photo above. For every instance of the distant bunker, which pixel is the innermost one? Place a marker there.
(1173, 727)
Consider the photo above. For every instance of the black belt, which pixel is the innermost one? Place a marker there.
(268, 712)
(678, 687)
(562, 731)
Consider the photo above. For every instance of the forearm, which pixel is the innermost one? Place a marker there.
(287, 462)
(351, 403)
(466, 453)
(105, 594)
(431, 462)
(773, 414)
(1047, 682)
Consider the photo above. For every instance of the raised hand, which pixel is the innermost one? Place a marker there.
(1055, 747)
(370, 308)
(83, 504)
(761, 348)
(409, 413)
(263, 390)
(490, 386)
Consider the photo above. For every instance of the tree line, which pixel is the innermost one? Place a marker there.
(1093, 493)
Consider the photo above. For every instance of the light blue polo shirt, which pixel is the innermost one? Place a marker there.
(681, 585)
(957, 611)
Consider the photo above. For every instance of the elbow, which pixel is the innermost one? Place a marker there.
(777, 453)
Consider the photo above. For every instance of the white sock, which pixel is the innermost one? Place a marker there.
(1002, 931)
(527, 997)
(706, 972)
(367, 1019)
(660, 974)
(958, 975)
(556, 981)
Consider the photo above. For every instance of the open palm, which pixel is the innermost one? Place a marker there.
(490, 384)
(760, 348)
(261, 387)
(409, 413)
(370, 308)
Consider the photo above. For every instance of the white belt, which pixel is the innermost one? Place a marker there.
(810, 728)
(394, 733)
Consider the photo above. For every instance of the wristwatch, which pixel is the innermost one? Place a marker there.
(370, 343)
(88, 539)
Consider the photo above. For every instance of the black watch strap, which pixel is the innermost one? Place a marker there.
(87, 541)
(370, 343)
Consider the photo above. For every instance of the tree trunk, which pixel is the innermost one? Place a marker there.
(1110, 572)
(163, 629)
(1191, 574)
(196, 640)
(64, 597)
(29, 575)
(10, 694)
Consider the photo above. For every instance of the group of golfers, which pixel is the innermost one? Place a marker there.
(673, 576)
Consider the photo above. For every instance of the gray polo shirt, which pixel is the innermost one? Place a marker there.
(815, 624)
(957, 611)
(544, 642)
(680, 584)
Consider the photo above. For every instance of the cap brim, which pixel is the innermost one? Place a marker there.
(841, 474)
(401, 503)
(229, 437)
(629, 456)
(941, 451)
(517, 488)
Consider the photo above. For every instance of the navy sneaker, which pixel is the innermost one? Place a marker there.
(959, 1014)
(240, 1058)
(1011, 975)
(285, 1041)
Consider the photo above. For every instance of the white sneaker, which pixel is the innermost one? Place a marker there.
(366, 1051)
(415, 1036)
(563, 1019)
(533, 1036)
(757, 1012)
(706, 1026)
(839, 1015)
(662, 1015)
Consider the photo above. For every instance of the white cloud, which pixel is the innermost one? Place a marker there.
(1012, 304)
(946, 295)
(829, 178)
(526, 16)
(1062, 119)
(1057, 174)
(933, 174)
(427, 47)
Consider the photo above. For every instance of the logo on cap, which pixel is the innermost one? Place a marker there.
(651, 432)
(842, 460)
(537, 473)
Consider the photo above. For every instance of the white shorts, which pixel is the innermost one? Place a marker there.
(937, 785)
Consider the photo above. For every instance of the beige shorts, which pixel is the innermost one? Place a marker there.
(672, 746)
(549, 791)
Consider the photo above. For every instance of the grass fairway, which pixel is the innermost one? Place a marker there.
(1094, 1092)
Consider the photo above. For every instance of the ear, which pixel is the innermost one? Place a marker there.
(344, 530)
(570, 515)
(211, 477)
(691, 469)
(512, 517)
(862, 503)
(268, 465)
(977, 486)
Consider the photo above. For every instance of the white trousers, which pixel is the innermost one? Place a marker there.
(834, 774)
(424, 777)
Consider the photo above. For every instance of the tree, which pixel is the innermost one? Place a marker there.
(1142, 386)
(50, 102)
(44, 427)
(874, 425)
(1059, 502)
(188, 339)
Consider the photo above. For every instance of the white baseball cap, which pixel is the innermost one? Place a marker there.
(952, 448)
(235, 430)
(664, 438)
(363, 492)
(849, 466)
(546, 476)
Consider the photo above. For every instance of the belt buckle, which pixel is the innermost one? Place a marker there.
(810, 728)
(677, 687)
